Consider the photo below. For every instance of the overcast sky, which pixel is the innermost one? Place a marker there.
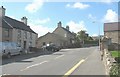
(44, 16)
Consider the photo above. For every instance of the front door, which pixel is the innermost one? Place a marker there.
(24, 44)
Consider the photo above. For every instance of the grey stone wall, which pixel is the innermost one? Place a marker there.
(49, 39)
(114, 35)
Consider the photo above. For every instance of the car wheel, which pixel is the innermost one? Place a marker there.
(8, 55)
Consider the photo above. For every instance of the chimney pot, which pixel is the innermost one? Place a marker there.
(2, 11)
(67, 27)
(59, 24)
(24, 20)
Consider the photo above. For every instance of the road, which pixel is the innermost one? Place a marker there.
(77, 61)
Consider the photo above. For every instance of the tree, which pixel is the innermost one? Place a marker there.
(82, 36)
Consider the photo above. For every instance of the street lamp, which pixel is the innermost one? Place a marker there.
(98, 34)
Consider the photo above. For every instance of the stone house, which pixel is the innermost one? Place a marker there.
(112, 31)
(60, 36)
(12, 30)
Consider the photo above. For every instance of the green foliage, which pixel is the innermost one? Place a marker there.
(82, 36)
(115, 53)
(115, 70)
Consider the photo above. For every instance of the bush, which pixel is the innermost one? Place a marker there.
(117, 59)
(115, 70)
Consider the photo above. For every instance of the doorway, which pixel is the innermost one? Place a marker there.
(24, 45)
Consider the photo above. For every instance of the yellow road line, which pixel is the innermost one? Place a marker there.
(73, 68)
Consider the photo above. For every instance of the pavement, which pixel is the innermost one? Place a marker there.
(77, 61)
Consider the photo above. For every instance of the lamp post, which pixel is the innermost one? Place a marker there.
(98, 34)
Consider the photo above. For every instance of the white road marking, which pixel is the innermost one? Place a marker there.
(59, 56)
(4, 74)
(34, 65)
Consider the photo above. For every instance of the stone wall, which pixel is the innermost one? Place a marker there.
(114, 35)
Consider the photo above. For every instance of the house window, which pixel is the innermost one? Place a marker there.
(65, 35)
(19, 34)
(19, 42)
(6, 31)
(30, 44)
(25, 35)
(31, 36)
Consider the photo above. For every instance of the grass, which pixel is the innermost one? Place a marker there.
(115, 53)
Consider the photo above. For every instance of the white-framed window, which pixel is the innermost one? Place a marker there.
(65, 35)
(6, 31)
(19, 42)
(25, 34)
(30, 35)
(19, 34)
(30, 44)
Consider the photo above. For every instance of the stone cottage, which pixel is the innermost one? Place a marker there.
(60, 36)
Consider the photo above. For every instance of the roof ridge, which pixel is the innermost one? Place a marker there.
(16, 20)
(18, 24)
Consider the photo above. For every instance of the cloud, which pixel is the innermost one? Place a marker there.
(76, 27)
(38, 28)
(42, 21)
(34, 6)
(78, 5)
(110, 16)
(107, 1)
(91, 17)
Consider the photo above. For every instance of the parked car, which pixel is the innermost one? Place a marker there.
(52, 47)
(9, 48)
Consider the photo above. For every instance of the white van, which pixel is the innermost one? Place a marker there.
(9, 48)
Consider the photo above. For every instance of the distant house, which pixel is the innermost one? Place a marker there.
(112, 31)
(12, 30)
(97, 37)
(60, 36)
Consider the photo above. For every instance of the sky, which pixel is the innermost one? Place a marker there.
(44, 16)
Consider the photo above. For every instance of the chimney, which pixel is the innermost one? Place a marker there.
(59, 24)
(24, 20)
(2, 11)
(67, 27)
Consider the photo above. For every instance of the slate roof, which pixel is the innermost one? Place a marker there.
(5, 25)
(63, 29)
(10, 23)
(53, 35)
(66, 30)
